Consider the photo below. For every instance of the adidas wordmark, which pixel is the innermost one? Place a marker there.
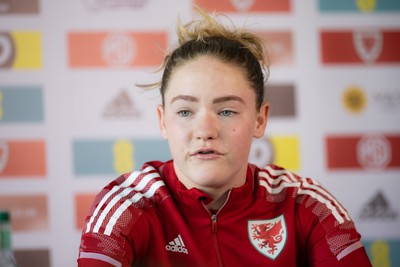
(177, 245)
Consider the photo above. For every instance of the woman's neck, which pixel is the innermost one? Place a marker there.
(218, 200)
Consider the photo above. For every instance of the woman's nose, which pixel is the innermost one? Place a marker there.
(206, 127)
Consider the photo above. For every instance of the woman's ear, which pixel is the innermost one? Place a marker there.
(261, 121)
(161, 121)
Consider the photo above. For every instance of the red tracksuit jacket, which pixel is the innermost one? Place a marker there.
(148, 218)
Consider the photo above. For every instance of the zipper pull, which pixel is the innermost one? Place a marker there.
(214, 223)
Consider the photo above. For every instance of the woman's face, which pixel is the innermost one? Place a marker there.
(210, 119)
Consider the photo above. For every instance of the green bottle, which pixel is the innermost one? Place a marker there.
(7, 258)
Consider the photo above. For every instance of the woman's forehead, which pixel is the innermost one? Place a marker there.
(206, 71)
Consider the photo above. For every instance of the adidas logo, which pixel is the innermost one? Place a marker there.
(121, 106)
(177, 245)
(378, 208)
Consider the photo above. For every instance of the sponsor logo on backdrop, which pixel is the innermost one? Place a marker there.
(7, 50)
(116, 156)
(354, 99)
(121, 107)
(22, 158)
(280, 150)
(369, 152)
(28, 212)
(374, 152)
(20, 50)
(32, 257)
(383, 252)
(262, 152)
(280, 47)
(116, 49)
(378, 208)
(111, 5)
(359, 5)
(244, 5)
(123, 155)
(368, 44)
(21, 104)
(19, 7)
(387, 100)
(83, 203)
(361, 46)
(366, 5)
(282, 100)
(4, 155)
(268, 236)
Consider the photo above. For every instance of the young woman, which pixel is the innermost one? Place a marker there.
(208, 206)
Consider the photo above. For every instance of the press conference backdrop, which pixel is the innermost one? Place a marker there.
(72, 118)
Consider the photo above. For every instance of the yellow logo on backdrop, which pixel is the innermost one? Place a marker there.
(123, 156)
(287, 151)
(354, 99)
(380, 254)
(28, 50)
(366, 5)
(20, 50)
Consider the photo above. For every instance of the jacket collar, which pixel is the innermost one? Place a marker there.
(195, 198)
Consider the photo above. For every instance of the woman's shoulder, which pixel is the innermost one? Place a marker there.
(141, 185)
(304, 191)
(131, 193)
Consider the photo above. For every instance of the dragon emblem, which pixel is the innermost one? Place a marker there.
(268, 236)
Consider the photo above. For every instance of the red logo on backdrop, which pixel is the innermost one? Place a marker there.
(374, 152)
(244, 5)
(368, 44)
(369, 152)
(3, 155)
(268, 236)
(118, 49)
(22, 158)
(280, 46)
(83, 203)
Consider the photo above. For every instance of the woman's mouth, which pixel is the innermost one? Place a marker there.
(206, 154)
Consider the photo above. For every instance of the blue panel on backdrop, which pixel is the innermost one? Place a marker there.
(98, 157)
(359, 5)
(21, 104)
(383, 252)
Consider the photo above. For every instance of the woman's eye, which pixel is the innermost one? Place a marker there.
(184, 113)
(227, 113)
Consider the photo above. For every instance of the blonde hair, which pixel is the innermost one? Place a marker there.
(207, 36)
(199, 29)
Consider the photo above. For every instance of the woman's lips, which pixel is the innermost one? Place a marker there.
(206, 153)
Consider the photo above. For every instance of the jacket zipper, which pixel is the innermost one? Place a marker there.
(214, 233)
(214, 229)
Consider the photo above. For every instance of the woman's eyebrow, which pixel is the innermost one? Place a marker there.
(228, 98)
(185, 98)
(215, 101)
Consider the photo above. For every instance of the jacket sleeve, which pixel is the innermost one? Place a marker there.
(111, 230)
(330, 235)
(101, 244)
